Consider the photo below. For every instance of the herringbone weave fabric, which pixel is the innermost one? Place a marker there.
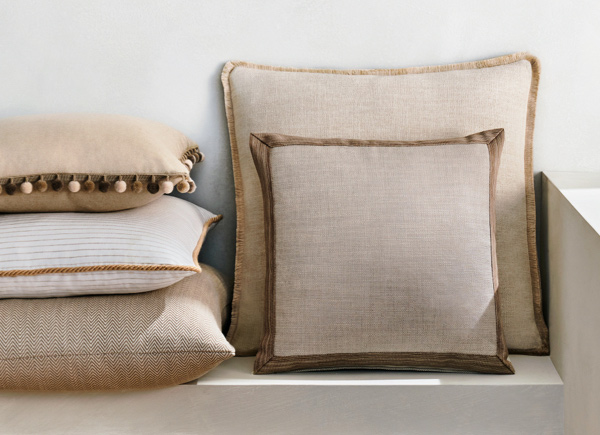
(155, 339)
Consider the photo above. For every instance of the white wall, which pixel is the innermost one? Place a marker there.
(161, 59)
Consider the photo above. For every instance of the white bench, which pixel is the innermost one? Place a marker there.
(232, 400)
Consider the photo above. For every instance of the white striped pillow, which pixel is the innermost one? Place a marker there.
(65, 254)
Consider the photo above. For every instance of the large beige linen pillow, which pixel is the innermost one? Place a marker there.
(380, 254)
(90, 162)
(148, 340)
(404, 104)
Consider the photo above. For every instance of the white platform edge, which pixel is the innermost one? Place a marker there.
(571, 213)
(529, 370)
(582, 191)
(230, 400)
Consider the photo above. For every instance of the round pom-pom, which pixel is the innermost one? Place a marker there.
(89, 186)
(137, 186)
(26, 187)
(194, 158)
(166, 186)
(103, 186)
(57, 185)
(200, 157)
(74, 186)
(1, 189)
(192, 187)
(183, 187)
(10, 188)
(153, 187)
(189, 164)
(120, 186)
(41, 186)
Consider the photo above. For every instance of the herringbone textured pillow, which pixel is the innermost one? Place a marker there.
(155, 339)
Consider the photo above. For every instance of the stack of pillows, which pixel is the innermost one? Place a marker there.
(84, 214)
(385, 220)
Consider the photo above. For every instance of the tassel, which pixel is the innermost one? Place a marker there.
(57, 184)
(137, 185)
(153, 186)
(10, 188)
(183, 186)
(41, 186)
(120, 186)
(89, 185)
(166, 186)
(74, 185)
(104, 185)
(26, 187)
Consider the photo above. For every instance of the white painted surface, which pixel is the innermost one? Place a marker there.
(238, 371)
(582, 191)
(572, 208)
(229, 400)
(162, 60)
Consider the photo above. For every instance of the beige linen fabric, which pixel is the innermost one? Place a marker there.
(406, 104)
(79, 146)
(378, 248)
(155, 339)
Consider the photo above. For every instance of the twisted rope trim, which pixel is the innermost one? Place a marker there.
(98, 268)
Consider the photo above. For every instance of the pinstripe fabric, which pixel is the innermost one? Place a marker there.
(64, 254)
(153, 339)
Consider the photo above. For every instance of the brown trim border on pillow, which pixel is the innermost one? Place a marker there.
(246, 317)
(268, 361)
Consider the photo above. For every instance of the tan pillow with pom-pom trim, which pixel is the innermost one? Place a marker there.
(90, 162)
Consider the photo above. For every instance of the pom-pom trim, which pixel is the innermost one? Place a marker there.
(75, 183)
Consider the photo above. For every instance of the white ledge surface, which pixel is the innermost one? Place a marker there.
(528, 371)
(571, 205)
(230, 400)
(582, 190)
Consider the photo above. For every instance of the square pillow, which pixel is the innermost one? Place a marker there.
(381, 254)
(117, 342)
(66, 254)
(90, 162)
(392, 104)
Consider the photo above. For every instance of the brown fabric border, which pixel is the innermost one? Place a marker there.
(388, 361)
(543, 349)
(268, 362)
